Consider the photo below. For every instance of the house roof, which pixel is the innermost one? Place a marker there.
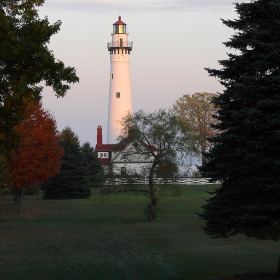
(104, 147)
(120, 146)
(153, 148)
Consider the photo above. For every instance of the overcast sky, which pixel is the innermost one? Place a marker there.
(173, 41)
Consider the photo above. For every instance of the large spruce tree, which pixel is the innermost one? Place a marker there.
(246, 152)
(71, 181)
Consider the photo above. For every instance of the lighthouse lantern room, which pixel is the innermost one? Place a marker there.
(120, 99)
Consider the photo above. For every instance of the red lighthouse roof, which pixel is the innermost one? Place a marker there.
(119, 22)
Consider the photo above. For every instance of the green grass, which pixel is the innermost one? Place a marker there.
(111, 239)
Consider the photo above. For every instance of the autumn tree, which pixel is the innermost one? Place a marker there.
(245, 156)
(163, 138)
(26, 62)
(37, 155)
(197, 111)
(4, 175)
(72, 181)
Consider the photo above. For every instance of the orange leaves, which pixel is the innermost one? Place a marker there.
(37, 156)
(197, 110)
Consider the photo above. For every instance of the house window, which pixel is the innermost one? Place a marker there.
(147, 156)
(123, 171)
(102, 155)
(118, 94)
(124, 155)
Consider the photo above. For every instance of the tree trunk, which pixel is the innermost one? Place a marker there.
(278, 269)
(20, 194)
(151, 211)
(15, 196)
(38, 185)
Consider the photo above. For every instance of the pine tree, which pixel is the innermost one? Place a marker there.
(92, 166)
(70, 182)
(246, 152)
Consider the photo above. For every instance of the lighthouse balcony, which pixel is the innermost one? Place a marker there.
(119, 45)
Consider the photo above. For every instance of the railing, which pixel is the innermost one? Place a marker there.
(118, 45)
(159, 181)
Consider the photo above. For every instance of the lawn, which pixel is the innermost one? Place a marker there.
(111, 239)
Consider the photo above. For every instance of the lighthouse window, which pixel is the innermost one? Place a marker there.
(119, 29)
(112, 76)
(118, 95)
(121, 42)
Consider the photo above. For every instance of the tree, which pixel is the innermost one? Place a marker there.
(245, 156)
(172, 139)
(197, 110)
(167, 168)
(71, 181)
(26, 62)
(37, 155)
(4, 176)
(91, 165)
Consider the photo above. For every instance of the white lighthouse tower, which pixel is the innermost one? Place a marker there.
(120, 100)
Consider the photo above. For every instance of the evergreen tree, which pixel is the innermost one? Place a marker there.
(70, 182)
(92, 166)
(246, 154)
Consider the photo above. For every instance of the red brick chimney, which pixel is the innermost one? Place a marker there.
(99, 135)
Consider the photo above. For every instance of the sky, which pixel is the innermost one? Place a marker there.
(173, 41)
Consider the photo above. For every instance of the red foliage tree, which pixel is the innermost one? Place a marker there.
(37, 155)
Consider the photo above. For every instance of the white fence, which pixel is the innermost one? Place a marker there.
(159, 181)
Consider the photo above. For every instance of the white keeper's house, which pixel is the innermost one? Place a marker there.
(123, 157)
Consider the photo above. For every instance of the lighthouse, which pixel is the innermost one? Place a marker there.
(120, 99)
